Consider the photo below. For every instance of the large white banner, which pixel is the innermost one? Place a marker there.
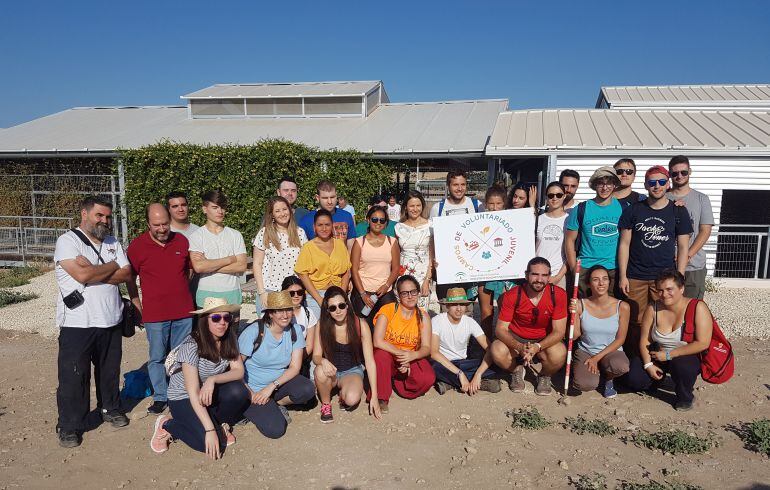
(484, 246)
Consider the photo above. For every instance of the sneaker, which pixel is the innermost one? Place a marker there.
(285, 413)
(69, 438)
(383, 406)
(683, 406)
(326, 413)
(543, 386)
(116, 418)
(160, 437)
(490, 385)
(157, 407)
(442, 387)
(229, 436)
(517, 380)
(609, 390)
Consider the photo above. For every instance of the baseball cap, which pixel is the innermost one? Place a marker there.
(656, 169)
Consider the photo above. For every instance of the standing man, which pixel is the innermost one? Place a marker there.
(592, 229)
(161, 259)
(532, 322)
(178, 208)
(655, 235)
(570, 179)
(625, 168)
(456, 201)
(217, 253)
(698, 207)
(342, 203)
(288, 189)
(342, 221)
(90, 263)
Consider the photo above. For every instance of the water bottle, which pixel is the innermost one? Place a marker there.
(366, 310)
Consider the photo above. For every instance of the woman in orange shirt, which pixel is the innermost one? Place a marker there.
(402, 335)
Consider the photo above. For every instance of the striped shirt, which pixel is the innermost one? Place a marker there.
(188, 353)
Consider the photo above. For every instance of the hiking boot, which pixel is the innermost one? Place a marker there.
(157, 407)
(683, 406)
(543, 386)
(490, 385)
(69, 438)
(383, 406)
(161, 438)
(115, 418)
(285, 413)
(516, 384)
(229, 436)
(442, 387)
(326, 413)
(609, 389)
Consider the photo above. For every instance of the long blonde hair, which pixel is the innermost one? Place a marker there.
(271, 229)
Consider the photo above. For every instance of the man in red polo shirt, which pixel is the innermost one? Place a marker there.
(531, 323)
(160, 258)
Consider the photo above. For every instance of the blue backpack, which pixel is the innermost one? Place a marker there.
(441, 206)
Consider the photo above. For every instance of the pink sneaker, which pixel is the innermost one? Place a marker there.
(160, 437)
(326, 413)
(228, 434)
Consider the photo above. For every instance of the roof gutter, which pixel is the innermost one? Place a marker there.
(59, 154)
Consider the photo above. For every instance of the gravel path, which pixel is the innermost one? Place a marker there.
(740, 312)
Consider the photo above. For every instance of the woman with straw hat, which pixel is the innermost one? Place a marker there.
(272, 349)
(206, 394)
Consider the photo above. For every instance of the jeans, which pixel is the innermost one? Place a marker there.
(258, 302)
(467, 366)
(78, 348)
(162, 337)
(268, 417)
(312, 305)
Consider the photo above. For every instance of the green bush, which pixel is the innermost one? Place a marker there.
(528, 418)
(675, 442)
(248, 175)
(12, 297)
(596, 481)
(654, 485)
(756, 435)
(17, 276)
(581, 425)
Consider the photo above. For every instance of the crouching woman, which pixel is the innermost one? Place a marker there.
(206, 394)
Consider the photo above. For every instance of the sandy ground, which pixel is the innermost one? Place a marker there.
(450, 441)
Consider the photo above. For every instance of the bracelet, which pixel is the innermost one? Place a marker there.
(648, 365)
(668, 355)
(211, 430)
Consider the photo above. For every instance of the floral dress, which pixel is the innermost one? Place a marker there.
(415, 253)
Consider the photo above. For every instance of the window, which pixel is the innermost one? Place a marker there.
(221, 107)
(332, 105)
(274, 107)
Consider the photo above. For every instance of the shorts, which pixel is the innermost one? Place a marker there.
(523, 340)
(357, 370)
(233, 297)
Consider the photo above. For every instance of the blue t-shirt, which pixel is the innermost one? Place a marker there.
(344, 226)
(653, 237)
(599, 235)
(271, 359)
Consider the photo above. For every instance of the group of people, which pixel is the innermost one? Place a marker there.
(343, 307)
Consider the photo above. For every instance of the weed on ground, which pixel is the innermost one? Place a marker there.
(13, 297)
(18, 276)
(755, 435)
(528, 418)
(581, 425)
(675, 442)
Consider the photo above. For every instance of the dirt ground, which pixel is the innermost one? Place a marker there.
(450, 441)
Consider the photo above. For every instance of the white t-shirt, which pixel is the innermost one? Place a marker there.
(453, 339)
(550, 240)
(102, 307)
(228, 242)
(465, 207)
(188, 232)
(304, 322)
(278, 264)
(394, 212)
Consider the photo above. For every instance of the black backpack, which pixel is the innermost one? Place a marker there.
(261, 335)
(518, 298)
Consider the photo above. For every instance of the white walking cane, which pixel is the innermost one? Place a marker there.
(571, 334)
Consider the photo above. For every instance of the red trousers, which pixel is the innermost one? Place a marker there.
(420, 379)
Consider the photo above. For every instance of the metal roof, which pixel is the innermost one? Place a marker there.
(703, 96)
(641, 131)
(296, 89)
(457, 127)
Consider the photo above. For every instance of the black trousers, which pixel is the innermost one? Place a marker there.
(78, 349)
(683, 370)
(268, 417)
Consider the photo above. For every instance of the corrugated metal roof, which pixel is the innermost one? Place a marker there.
(576, 131)
(757, 95)
(297, 89)
(413, 128)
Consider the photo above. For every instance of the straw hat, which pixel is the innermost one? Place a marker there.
(213, 305)
(278, 300)
(455, 296)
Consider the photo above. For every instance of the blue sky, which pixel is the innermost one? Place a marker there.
(56, 55)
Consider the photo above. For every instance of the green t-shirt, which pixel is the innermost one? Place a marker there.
(362, 229)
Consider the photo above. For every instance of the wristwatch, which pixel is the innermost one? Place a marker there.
(277, 384)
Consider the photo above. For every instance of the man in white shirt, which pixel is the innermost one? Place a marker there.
(178, 209)
(217, 253)
(451, 332)
(90, 263)
(394, 209)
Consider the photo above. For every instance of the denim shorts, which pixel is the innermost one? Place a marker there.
(359, 370)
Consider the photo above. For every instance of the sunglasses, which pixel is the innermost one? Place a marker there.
(626, 171)
(657, 182)
(341, 306)
(217, 317)
(297, 292)
(535, 315)
(555, 195)
(683, 173)
(381, 221)
(412, 293)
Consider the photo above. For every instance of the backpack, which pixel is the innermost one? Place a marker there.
(717, 363)
(581, 214)
(261, 335)
(441, 205)
(518, 298)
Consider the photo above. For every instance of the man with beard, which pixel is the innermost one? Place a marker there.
(160, 258)
(178, 208)
(531, 323)
(570, 179)
(288, 189)
(626, 170)
(90, 263)
(698, 207)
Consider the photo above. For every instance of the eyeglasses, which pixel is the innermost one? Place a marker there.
(657, 182)
(555, 195)
(381, 221)
(333, 308)
(683, 173)
(297, 292)
(605, 184)
(626, 171)
(216, 317)
(412, 292)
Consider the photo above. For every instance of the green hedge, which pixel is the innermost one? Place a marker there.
(248, 175)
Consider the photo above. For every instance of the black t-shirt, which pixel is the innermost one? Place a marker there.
(653, 237)
(633, 198)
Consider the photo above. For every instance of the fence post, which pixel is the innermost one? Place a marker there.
(20, 240)
(758, 254)
(767, 251)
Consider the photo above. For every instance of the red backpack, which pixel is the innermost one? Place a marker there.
(717, 363)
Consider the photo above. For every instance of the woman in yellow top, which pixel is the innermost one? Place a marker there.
(402, 335)
(322, 262)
